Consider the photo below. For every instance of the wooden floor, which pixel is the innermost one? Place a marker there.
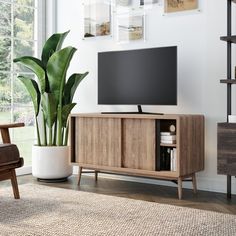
(147, 192)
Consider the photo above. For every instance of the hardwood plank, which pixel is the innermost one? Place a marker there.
(138, 144)
(204, 200)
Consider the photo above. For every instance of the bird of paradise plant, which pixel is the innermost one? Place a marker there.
(52, 94)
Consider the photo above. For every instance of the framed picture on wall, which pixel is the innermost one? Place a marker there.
(97, 18)
(130, 28)
(172, 6)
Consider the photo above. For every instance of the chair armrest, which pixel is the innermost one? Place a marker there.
(4, 128)
(14, 125)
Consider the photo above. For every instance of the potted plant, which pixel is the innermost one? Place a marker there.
(52, 97)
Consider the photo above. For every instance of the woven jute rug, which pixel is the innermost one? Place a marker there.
(50, 211)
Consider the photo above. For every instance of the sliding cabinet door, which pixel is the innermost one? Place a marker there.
(98, 141)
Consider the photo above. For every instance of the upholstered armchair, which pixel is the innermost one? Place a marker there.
(9, 158)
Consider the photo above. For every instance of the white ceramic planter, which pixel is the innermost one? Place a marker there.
(51, 162)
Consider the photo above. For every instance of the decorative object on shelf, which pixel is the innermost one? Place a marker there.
(130, 28)
(172, 6)
(97, 18)
(226, 132)
(52, 97)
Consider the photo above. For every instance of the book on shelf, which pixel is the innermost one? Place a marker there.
(173, 160)
(167, 160)
(168, 141)
(168, 138)
(167, 133)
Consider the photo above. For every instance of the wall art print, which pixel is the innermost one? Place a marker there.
(130, 28)
(172, 6)
(97, 18)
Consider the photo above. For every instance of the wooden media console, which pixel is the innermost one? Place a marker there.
(131, 144)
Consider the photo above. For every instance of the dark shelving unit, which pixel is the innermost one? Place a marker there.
(230, 39)
(223, 160)
(228, 81)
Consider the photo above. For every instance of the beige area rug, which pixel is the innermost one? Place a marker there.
(52, 211)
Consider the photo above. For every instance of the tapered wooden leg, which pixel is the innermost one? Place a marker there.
(194, 183)
(79, 175)
(14, 184)
(96, 175)
(180, 188)
(229, 183)
(5, 135)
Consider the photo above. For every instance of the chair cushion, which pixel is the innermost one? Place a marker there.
(9, 154)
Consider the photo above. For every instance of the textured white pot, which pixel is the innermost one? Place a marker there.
(51, 162)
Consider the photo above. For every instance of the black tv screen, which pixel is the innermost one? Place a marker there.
(138, 77)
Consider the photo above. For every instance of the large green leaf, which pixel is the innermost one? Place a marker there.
(66, 112)
(36, 66)
(56, 70)
(52, 45)
(71, 86)
(57, 67)
(33, 90)
(49, 108)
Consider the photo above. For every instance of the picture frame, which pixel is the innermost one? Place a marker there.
(97, 18)
(130, 28)
(174, 6)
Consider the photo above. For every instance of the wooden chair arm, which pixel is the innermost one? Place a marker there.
(4, 128)
(14, 125)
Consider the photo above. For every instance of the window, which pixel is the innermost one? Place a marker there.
(19, 27)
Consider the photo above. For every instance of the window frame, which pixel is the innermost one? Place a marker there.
(45, 16)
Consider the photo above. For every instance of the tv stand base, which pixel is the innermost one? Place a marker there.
(140, 111)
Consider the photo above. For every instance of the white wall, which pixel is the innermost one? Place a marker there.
(202, 63)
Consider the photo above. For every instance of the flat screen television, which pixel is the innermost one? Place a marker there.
(138, 77)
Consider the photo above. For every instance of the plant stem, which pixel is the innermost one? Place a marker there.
(38, 134)
(45, 131)
(50, 136)
(62, 135)
(66, 135)
(59, 129)
(55, 134)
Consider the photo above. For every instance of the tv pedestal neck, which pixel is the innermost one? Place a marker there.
(140, 111)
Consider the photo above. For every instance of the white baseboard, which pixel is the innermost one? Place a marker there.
(217, 184)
